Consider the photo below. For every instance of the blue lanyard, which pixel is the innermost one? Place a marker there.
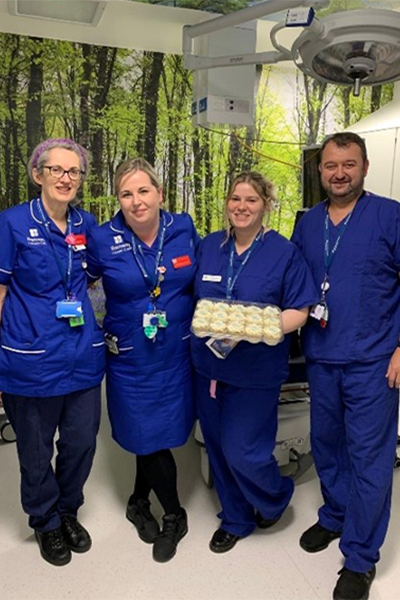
(66, 275)
(152, 279)
(231, 279)
(329, 255)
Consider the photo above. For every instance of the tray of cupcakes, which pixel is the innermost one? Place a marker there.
(238, 321)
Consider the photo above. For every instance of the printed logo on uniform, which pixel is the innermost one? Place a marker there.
(33, 238)
(119, 245)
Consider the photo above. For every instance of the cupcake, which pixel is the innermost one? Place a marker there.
(272, 335)
(236, 327)
(271, 310)
(206, 304)
(218, 327)
(200, 327)
(253, 332)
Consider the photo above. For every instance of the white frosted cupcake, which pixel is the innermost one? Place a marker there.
(272, 335)
(200, 326)
(236, 327)
(253, 332)
(218, 326)
(206, 304)
(220, 315)
(203, 313)
(222, 307)
(271, 310)
(238, 309)
(253, 310)
(255, 318)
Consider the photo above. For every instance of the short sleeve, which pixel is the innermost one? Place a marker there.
(299, 287)
(8, 250)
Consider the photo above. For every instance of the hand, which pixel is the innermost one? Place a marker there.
(393, 372)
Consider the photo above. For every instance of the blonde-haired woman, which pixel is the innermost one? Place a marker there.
(146, 257)
(238, 392)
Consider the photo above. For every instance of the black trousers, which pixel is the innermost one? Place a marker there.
(48, 493)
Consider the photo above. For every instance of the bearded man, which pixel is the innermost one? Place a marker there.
(351, 243)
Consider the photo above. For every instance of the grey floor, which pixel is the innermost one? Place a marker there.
(268, 565)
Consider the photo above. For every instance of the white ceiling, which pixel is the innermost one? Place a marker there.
(132, 24)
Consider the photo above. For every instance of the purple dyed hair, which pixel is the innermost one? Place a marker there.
(39, 155)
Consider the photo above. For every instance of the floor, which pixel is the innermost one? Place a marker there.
(268, 565)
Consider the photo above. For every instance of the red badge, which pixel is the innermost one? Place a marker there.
(181, 261)
(76, 239)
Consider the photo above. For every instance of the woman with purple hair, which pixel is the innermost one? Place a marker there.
(51, 349)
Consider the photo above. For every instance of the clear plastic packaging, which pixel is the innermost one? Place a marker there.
(238, 321)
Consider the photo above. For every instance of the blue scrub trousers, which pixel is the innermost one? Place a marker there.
(48, 493)
(239, 428)
(354, 423)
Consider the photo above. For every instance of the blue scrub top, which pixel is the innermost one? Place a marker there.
(41, 355)
(364, 294)
(149, 383)
(275, 274)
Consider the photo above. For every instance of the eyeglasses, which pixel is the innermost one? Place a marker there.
(57, 172)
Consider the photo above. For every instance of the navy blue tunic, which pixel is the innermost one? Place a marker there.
(364, 294)
(41, 355)
(275, 274)
(149, 384)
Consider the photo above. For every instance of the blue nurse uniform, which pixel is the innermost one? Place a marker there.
(149, 383)
(239, 424)
(354, 413)
(50, 372)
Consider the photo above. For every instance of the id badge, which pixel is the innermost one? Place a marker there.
(111, 343)
(157, 318)
(221, 348)
(66, 309)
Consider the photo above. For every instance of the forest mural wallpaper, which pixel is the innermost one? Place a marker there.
(124, 103)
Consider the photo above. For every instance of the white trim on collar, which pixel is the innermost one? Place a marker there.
(168, 216)
(35, 218)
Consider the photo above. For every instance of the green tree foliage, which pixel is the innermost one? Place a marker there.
(121, 103)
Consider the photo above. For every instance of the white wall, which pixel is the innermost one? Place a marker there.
(381, 131)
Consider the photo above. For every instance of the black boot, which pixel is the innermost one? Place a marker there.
(75, 535)
(139, 514)
(53, 547)
(175, 527)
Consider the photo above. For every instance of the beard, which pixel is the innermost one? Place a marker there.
(349, 192)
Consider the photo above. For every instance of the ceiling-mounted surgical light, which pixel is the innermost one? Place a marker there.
(359, 47)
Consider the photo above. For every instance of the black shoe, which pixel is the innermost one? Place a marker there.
(173, 530)
(265, 523)
(139, 514)
(75, 535)
(352, 585)
(53, 547)
(222, 541)
(317, 538)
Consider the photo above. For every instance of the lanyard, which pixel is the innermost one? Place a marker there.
(329, 255)
(231, 279)
(66, 275)
(152, 279)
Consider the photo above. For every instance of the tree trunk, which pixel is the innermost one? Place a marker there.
(150, 97)
(33, 113)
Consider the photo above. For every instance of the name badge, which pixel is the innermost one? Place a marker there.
(214, 278)
(76, 239)
(181, 261)
(65, 309)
